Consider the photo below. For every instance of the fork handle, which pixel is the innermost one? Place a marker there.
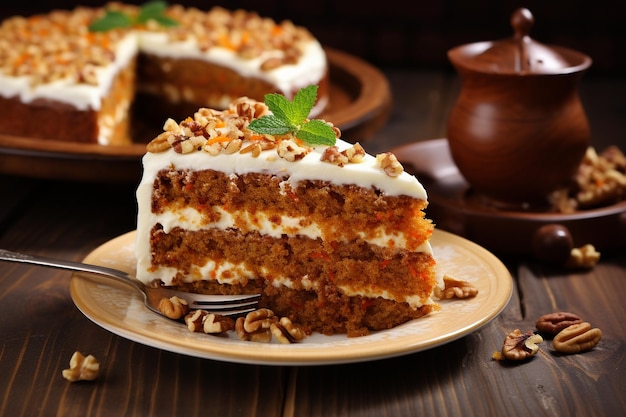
(6, 255)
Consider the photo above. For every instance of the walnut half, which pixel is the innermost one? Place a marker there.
(518, 346)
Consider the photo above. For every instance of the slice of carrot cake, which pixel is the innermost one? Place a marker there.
(258, 198)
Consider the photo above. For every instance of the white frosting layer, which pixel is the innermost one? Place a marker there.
(229, 273)
(366, 174)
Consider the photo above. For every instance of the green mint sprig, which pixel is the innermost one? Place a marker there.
(154, 10)
(291, 116)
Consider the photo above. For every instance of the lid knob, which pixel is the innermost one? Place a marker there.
(522, 21)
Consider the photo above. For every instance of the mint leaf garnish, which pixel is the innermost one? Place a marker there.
(291, 116)
(154, 10)
(317, 132)
(112, 19)
(270, 125)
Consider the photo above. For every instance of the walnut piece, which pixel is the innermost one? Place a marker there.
(262, 335)
(576, 338)
(194, 320)
(599, 181)
(518, 346)
(454, 288)
(286, 332)
(553, 323)
(291, 151)
(584, 257)
(174, 307)
(217, 324)
(82, 368)
(389, 163)
(259, 319)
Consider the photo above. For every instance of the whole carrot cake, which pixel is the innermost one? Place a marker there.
(82, 74)
(333, 238)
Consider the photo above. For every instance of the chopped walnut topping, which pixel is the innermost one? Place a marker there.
(389, 163)
(58, 45)
(82, 368)
(225, 132)
(291, 151)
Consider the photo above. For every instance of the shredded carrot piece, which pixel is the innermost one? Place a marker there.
(277, 30)
(320, 255)
(245, 37)
(384, 263)
(218, 139)
(257, 137)
(225, 41)
(220, 123)
(331, 275)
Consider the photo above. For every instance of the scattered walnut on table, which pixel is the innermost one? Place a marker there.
(519, 346)
(584, 257)
(82, 368)
(577, 338)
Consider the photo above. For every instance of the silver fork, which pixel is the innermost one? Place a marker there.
(226, 305)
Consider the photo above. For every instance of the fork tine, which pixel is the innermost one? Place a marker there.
(225, 305)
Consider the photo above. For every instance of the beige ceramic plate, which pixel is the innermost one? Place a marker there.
(119, 308)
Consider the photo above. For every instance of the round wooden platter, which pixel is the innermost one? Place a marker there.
(360, 104)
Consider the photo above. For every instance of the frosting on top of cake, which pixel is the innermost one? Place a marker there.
(56, 57)
(220, 140)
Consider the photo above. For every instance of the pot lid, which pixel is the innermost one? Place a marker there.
(519, 54)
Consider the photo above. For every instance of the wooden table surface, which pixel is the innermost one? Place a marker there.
(40, 328)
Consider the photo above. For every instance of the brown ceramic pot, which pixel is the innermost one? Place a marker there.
(518, 130)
